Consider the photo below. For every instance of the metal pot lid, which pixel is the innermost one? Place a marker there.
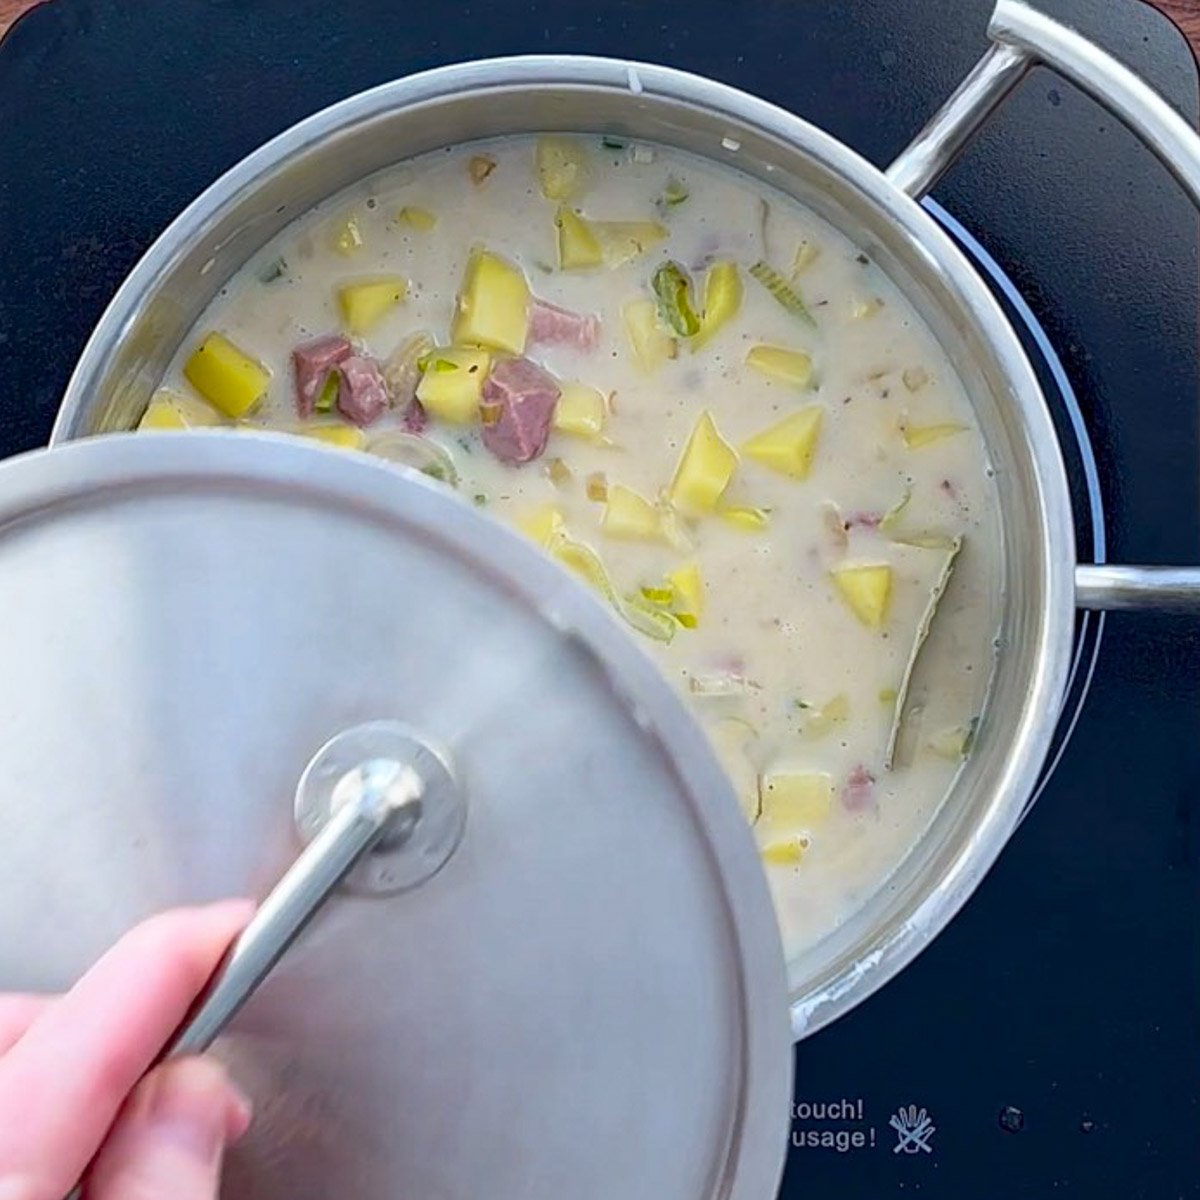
(587, 998)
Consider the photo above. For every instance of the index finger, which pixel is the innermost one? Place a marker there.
(62, 1084)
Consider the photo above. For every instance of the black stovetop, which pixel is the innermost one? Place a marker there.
(1053, 1031)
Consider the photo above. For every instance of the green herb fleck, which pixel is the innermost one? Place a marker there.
(480, 499)
(612, 143)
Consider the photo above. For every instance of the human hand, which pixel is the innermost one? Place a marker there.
(72, 1091)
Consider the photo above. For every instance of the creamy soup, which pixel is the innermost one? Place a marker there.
(700, 397)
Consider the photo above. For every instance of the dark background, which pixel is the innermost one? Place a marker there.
(1068, 991)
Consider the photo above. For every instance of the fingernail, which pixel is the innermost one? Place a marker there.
(188, 1107)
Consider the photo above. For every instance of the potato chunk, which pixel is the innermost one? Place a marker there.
(652, 345)
(705, 468)
(580, 410)
(793, 802)
(578, 246)
(793, 367)
(583, 243)
(228, 379)
(161, 416)
(722, 300)
(784, 851)
(420, 219)
(561, 167)
(346, 236)
(452, 383)
(541, 524)
(493, 304)
(168, 411)
(347, 437)
(867, 589)
(788, 446)
(623, 241)
(630, 515)
(916, 436)
(364, 303)
(743, 516)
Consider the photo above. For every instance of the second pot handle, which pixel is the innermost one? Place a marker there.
(1022, 38)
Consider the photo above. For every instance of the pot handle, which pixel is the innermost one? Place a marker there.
(1023, 38)
(1105, 586)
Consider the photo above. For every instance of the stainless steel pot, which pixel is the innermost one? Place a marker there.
(1042, 582)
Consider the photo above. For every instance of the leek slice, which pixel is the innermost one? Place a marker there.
(923, 627)
(779, 288)
(585, 562)
(673, 290)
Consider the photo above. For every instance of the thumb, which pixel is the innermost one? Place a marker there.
(170, 1137)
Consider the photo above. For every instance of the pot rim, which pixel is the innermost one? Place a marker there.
(1052, 540)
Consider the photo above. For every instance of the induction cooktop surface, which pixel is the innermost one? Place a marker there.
(1048, 1042)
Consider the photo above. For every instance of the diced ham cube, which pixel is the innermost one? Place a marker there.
(312, 362)
(517, 408)
(858, 792)
(362, 392)
(549, 323)
(415, 417)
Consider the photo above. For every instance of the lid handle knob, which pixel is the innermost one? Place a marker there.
(380, 798)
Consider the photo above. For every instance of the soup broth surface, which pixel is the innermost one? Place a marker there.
(751, 445)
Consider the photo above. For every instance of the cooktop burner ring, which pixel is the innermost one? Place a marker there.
(1087, 501)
